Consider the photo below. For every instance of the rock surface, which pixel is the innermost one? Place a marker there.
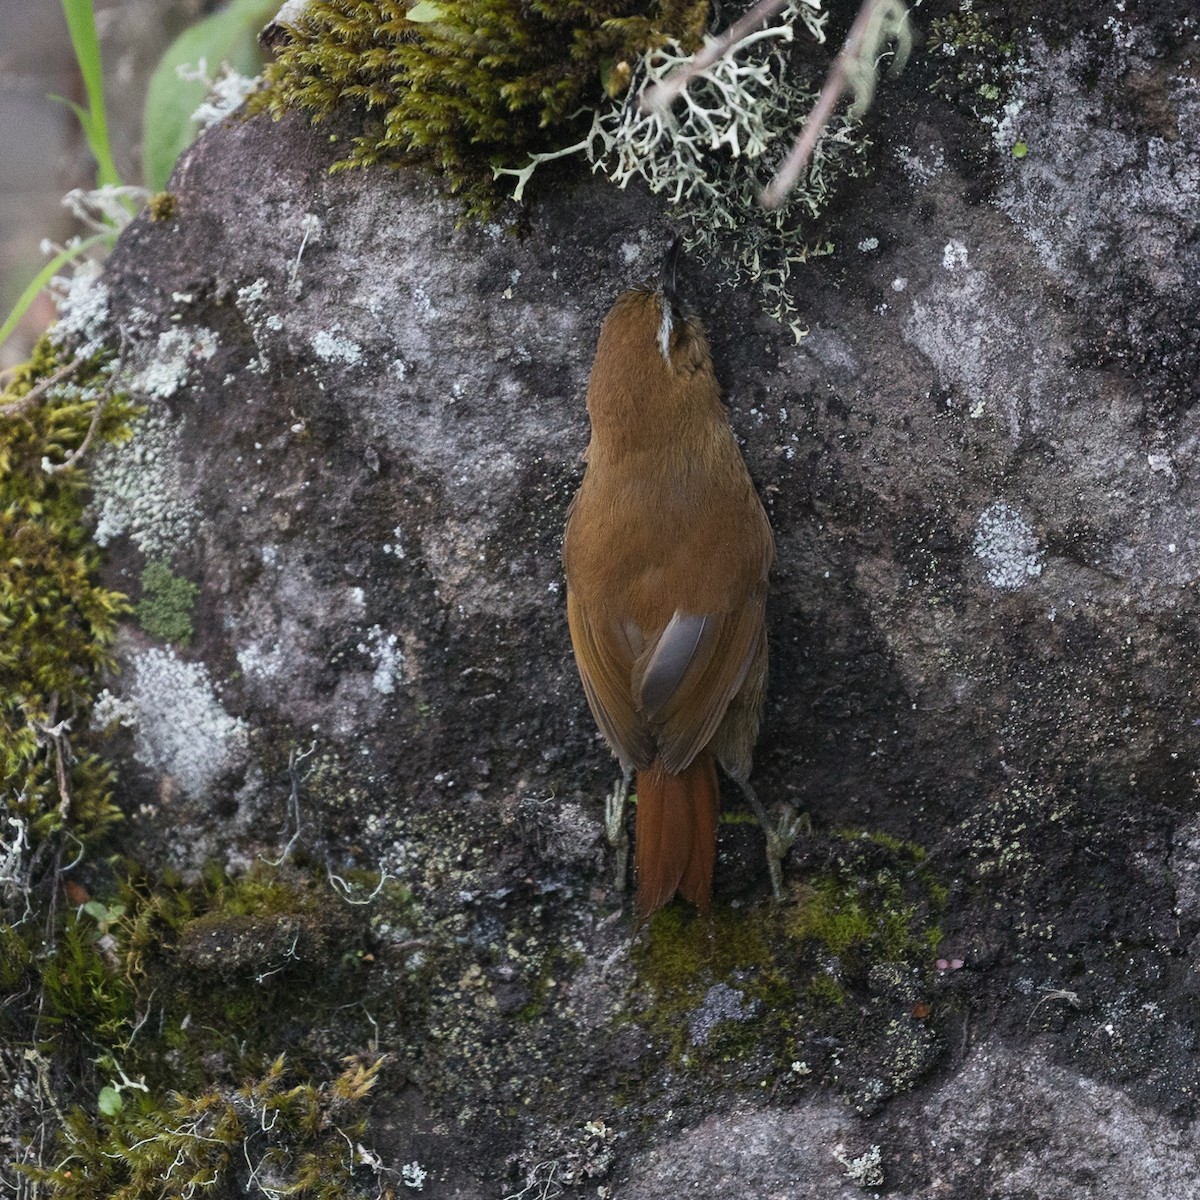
(363, 429)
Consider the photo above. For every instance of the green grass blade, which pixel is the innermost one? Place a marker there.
(81, 21)
(43, 277)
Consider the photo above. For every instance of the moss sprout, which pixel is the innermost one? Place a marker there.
(57, 621)
(165, 609)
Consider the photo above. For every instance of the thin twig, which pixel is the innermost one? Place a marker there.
(14, 408)
(846, 74)
(660, 97)
(80, 450)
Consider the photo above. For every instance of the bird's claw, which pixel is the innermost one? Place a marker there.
(787, 828)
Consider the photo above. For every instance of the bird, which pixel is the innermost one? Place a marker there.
(666, 553)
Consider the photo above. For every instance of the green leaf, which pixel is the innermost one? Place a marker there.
(110, 1102)
(81, 22)
(1019, 150)
(228, 37)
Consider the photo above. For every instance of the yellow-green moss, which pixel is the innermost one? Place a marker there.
(57, 622)
(793, 967)
(162, 206)
(474, 84)
(300, 1135)
(165, 609)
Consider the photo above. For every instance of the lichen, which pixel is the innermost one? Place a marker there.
(473, 85)
(137, 489)
(1007, 546)
(180, 726)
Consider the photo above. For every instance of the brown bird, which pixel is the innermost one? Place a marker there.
(666, 553)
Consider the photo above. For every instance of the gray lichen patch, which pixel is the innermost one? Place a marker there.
(1007, 546)
(180, 727)
(168, 366)
(82, 311)
(1081, 168)
(137, 488)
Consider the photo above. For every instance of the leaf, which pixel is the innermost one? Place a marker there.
(110, 1102)
(81, 21)
(228, 37)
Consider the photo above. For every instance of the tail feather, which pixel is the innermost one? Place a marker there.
(676, 833)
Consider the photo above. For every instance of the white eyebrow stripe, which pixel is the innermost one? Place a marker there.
(664, 332)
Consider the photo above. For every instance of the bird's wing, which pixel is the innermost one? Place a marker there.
(605, 657)
(684, 681)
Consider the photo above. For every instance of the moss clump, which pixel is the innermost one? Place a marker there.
(57, 622)
(162, 206)
(978, 59)
(165, 609)
(832, 977)
(168, 1059)
(299, 1137)
(464, 86)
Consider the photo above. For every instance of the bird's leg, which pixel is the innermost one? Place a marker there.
(780, 834)
(614, 825)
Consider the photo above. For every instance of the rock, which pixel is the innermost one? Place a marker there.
(363, 429)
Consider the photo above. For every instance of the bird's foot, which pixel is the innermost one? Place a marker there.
(614, 829)
(780, 834)
(788, 826)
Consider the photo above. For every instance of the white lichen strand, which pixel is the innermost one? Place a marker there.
(716, 148)
(1007, 546)
(180, 727)
(225, 93)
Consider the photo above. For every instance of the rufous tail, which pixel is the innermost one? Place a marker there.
(676, 833)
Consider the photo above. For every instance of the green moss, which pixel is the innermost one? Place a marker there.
(162, 206)
(165, 609)
(298, 1135)
(57, 622)
(875, 903)
(473, 85)
(747, 985)
(977, 58)
(684, 955)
